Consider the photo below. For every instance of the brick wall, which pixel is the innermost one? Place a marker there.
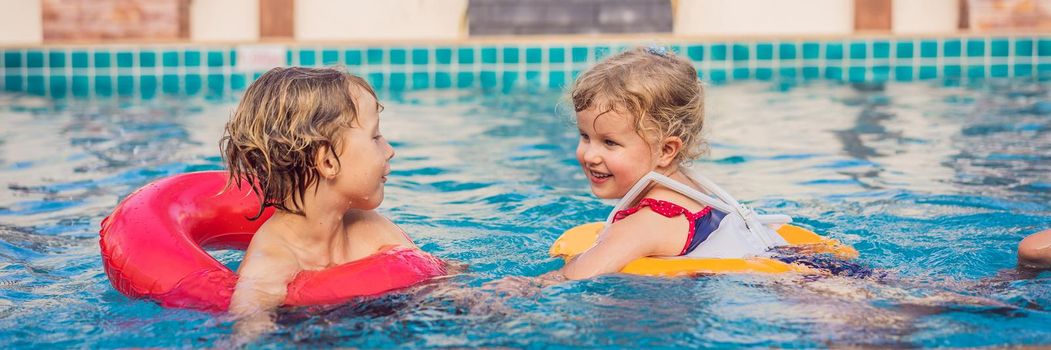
(511, 17)
(114, 19)
(1001, 15)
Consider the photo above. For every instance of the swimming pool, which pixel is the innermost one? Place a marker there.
(934, 182)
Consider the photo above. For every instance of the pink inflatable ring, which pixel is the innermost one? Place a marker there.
(153, 248)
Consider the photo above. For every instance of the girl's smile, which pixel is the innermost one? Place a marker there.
(598, 177)
(611, 152)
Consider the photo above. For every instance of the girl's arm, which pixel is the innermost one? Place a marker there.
(1035, 251)
(642, 234)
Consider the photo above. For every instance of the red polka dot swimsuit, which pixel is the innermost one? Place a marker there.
(702, 223)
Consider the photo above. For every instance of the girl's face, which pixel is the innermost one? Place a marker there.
(364, 157)
(614, 156)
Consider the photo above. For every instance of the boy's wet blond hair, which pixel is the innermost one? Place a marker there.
(284, 119)
(659, 89)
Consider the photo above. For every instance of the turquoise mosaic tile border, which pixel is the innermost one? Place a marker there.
(149, 71)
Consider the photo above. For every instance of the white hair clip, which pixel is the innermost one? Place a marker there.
(658, 50)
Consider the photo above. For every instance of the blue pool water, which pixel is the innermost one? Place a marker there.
(934, 184)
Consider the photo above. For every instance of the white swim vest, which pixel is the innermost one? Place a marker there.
(740, 234)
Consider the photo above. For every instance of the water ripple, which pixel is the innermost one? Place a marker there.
(933, 183)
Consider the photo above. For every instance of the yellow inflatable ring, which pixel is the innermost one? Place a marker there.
(579, 239)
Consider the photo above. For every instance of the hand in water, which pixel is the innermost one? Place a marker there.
(523, 287)
(455, 267)
(248, 329)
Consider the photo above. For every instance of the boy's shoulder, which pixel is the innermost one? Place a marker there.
(270, 243)
(367, 220)
(370, 215)
(269, 260)
(372, 226)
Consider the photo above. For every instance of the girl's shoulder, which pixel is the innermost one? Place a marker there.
(656, 222)
(659, 207)
(661, 193)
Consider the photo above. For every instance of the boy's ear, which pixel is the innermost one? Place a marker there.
(325, 162)
(669, 148)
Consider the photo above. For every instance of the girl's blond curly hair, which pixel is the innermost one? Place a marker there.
(658, 88)
(284, 119)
